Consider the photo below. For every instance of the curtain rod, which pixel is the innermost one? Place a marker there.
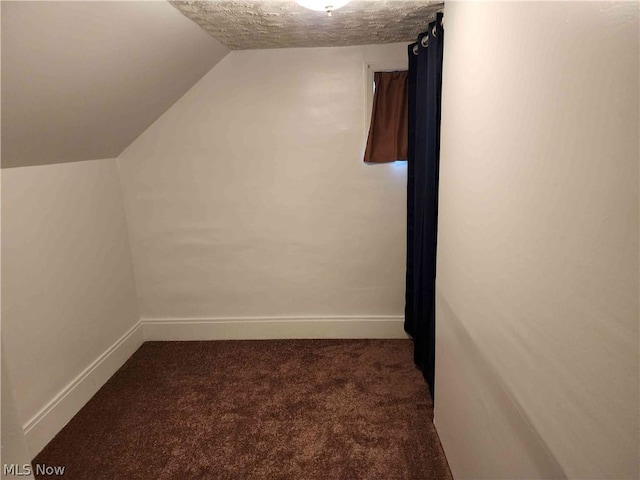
(425, 40)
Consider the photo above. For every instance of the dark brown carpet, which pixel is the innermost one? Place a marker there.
(287, 409)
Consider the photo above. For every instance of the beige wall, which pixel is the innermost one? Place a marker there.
(68, 292)
(249, 196)
(537, 279)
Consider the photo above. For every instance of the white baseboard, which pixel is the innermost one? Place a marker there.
(272, 328)
(44, 425)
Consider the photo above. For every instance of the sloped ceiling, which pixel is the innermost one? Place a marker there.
(82, 80)
(247, 24)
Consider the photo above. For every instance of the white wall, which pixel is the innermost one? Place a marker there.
(13, 445)
(82, 80)
(13, 449)
(537, 280)
(249, 198)
(68, 292)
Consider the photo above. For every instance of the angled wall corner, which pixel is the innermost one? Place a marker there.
(82, 80)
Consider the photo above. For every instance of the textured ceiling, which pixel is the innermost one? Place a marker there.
(242, 25)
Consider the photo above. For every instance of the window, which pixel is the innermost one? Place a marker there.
(386, 132)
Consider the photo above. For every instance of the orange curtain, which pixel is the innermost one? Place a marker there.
(388, 132)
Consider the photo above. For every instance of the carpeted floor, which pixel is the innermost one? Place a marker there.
(286, 409)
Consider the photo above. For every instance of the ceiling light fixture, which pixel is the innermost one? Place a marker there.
(323, 5)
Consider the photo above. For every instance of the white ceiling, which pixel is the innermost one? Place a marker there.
(82, 80)
(254, 24)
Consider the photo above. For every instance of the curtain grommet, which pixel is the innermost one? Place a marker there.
(433, 31)
(415, 49)
(425, 41)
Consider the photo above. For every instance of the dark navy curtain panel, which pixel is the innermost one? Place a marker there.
(425, 87)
